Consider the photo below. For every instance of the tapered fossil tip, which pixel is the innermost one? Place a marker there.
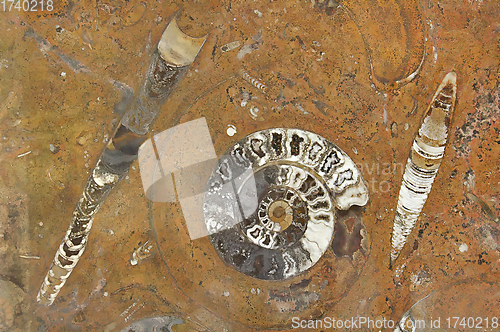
(450, 78)
(448, 86)
(177, 48)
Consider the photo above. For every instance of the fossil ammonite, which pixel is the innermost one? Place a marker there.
(270, 202)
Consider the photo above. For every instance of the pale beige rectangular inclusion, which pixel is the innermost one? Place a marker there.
(178, 147)
(190, 183)
(186, 151)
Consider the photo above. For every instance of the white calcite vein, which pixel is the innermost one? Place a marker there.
(423, 163)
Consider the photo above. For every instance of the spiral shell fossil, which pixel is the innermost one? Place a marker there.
(270, 203)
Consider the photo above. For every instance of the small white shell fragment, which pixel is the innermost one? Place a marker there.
(23, 154)
(254, 111)
(231, 130)
(463, 247)
(230, 46)
(246, 97)
(141, 253)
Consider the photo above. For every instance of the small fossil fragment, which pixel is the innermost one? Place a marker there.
(484, 206)
(423, 163)
(231, 130)
(253, 81)
(230, 46)
(141, 253)
(329, 6)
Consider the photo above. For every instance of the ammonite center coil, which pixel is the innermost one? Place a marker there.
(270, 202)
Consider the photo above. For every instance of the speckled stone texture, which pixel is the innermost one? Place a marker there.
(360, 74)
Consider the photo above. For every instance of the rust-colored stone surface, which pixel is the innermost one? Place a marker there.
(357, 73)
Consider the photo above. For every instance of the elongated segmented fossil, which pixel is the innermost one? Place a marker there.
(175, 52)
(270, 203)
(253, 81)
(423, 163)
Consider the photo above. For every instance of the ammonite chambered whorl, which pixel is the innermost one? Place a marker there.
(270, 202)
